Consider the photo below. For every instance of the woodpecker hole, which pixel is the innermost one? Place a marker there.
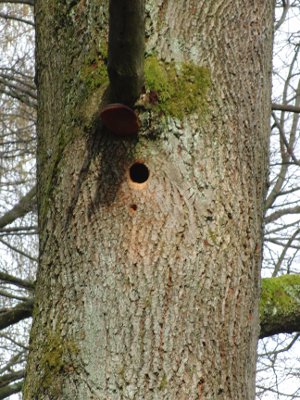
(133, 207)
(139, 172)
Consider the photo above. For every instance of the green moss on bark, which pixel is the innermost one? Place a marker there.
(280, 305)
(280, 295)
(179, 89)
(163, 383)
(94, 75)
(56, 359)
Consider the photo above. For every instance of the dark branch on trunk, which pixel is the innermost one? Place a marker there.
(285, 107)
(126, 50)
(11, 316)
(22, 283)
(11, 377)
(8, 390)
(280, 213)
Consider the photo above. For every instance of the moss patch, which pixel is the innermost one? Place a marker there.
(280, 295)
(57, 358)
(103, 50)
(176, 90)
(163, 383)
(94, 75)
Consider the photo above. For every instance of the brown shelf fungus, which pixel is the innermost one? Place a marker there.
(120, 119)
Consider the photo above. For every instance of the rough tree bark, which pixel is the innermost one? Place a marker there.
(150, 247)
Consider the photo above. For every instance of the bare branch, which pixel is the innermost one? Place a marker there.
(15, 360)
(14, 342)
(19, 230)
(280, 178)
(11, 316)
(7, 391)
(286, 146)
(11, 377)
(22, 283)
(25, 205)
(20, 91)
(285, 107)
(19, 251)
(16, 76)
(283, 253)
(28, 2)
(11, 295)
(286, 6)
(284, 139)
(280, 213)
(282, 350)
(14, 18)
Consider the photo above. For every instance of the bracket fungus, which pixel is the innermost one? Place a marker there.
(120, 119)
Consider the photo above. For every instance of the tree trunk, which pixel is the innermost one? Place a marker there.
(150, 246)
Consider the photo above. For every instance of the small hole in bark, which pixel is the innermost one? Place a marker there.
(139, 172)
(133, 207)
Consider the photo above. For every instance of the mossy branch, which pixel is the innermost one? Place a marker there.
(126, 46)
(280, 305)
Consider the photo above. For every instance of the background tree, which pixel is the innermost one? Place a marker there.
(18, 225)
(280, 353)
(280, 103)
